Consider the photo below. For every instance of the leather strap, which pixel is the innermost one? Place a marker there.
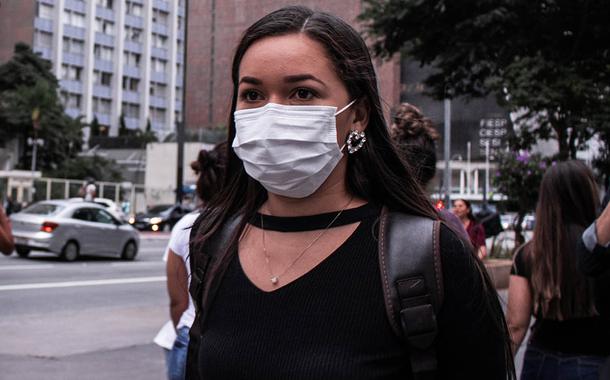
(409, 261)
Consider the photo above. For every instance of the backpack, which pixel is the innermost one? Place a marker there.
(409, 262)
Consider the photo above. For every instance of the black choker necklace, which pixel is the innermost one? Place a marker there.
(313, 222)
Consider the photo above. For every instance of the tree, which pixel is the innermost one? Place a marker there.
(548, 59)
(123, 130)
(94, 127)
(95, 166)
(28, 96)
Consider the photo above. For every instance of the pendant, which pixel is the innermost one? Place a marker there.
(274, 280)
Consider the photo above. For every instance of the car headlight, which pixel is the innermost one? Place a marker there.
(155, 220)
(132, 220)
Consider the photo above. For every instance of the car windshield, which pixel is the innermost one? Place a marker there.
(159, 209)
(42, 209)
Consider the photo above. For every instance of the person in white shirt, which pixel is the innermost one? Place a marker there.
(210, 166)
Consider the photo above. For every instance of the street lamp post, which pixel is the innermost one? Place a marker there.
(447, 152)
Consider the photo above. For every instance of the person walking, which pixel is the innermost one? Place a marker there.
(297, 290)
(571, 334)
(209, 167)
(463, 210)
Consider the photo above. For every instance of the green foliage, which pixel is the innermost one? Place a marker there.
(123, 130)
(547, 59)
(96, 167)
(94, 127)
(518, 177)
(28, 96)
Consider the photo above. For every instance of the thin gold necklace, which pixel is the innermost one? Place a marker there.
(275, 279)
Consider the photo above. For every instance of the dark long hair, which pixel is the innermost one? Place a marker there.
(470, 215)
(567, 204)
(210, 167)
(376, 173)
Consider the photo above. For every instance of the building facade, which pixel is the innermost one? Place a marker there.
(115, 59)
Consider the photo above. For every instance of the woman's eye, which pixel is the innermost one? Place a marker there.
(304, 94)
(251, 96)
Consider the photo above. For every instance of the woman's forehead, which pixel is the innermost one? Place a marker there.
(292, 54)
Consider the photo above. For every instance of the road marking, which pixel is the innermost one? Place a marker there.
(70, 284)
(26, 267)
(137, 263)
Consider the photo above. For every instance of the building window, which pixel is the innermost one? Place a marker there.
(133, 34)
(105, 3)
(159, 41)
(130, 84)
(71, 72)
(73, 46)
(44, 11)
(131, 110)
(104, 26)
(157, 115)
(131, 59)
(74, 18)
(160, 17)
(71, 100)
(158, 65)
(102, 106)
(43, 39)
(102, 52)
(102, 79)
(133, 9)
(158, 89)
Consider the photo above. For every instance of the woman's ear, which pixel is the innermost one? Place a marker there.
(361, 115)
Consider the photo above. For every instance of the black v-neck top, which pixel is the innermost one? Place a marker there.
(331, 323)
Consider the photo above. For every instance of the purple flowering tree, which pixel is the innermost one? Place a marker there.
(518, 177)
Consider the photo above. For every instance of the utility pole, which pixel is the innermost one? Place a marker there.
(180, 123)
(447, 153)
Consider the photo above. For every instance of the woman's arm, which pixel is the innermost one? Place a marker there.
(473, 341)
(6, 236)
(177, 286)
(519, 309)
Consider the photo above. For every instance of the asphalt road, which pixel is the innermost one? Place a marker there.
(91, 319)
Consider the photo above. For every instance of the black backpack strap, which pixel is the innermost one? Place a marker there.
(409, 259)
(202, 256)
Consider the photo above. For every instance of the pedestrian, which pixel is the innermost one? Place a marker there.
(415, 137)
(570, 335)
(295, 288)
(209, 167)
(594, 248)
(7, 244)
(463, 210)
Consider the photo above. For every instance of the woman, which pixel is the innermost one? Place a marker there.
(209, 167)
(463, 210)
(571, 334)
(299, 292)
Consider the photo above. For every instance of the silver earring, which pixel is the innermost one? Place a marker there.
(355, 141)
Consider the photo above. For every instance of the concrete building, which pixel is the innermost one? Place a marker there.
(112, 57)
(214, 29)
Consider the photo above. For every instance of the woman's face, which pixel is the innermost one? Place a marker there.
(460, 209)
(293, 70)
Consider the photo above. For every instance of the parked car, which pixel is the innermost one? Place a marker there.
(109, 205)
(159, 218)
(71, 228)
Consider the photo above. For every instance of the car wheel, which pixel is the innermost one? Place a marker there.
(129, 251)
(22, 251)
(70, 251)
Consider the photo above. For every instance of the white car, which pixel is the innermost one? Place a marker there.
(109, 205)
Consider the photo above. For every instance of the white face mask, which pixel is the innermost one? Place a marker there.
(290, 150)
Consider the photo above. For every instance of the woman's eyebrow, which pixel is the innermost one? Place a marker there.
(302, 77)
(250, 80)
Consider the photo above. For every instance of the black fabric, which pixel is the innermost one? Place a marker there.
(582, 336)
(331, 323)
(314, 222)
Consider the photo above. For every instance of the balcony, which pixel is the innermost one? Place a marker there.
(103, 118)
(158, 101)
(73, 86)
(74, 32)
(160, 29)
(158, 52)
(178, 105)
(132, 122)
(73, 59)
(132, 46)
(131, 96)
(131, 71)
(158, 76)
(73, 112)
(44, 52)
(104, 13)
(75, 5)
(157, 125)
(134, 21)
(102, 65)
(50, 2)
(102, 91)
(161, 4)
(104, 39)
(43, 24)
